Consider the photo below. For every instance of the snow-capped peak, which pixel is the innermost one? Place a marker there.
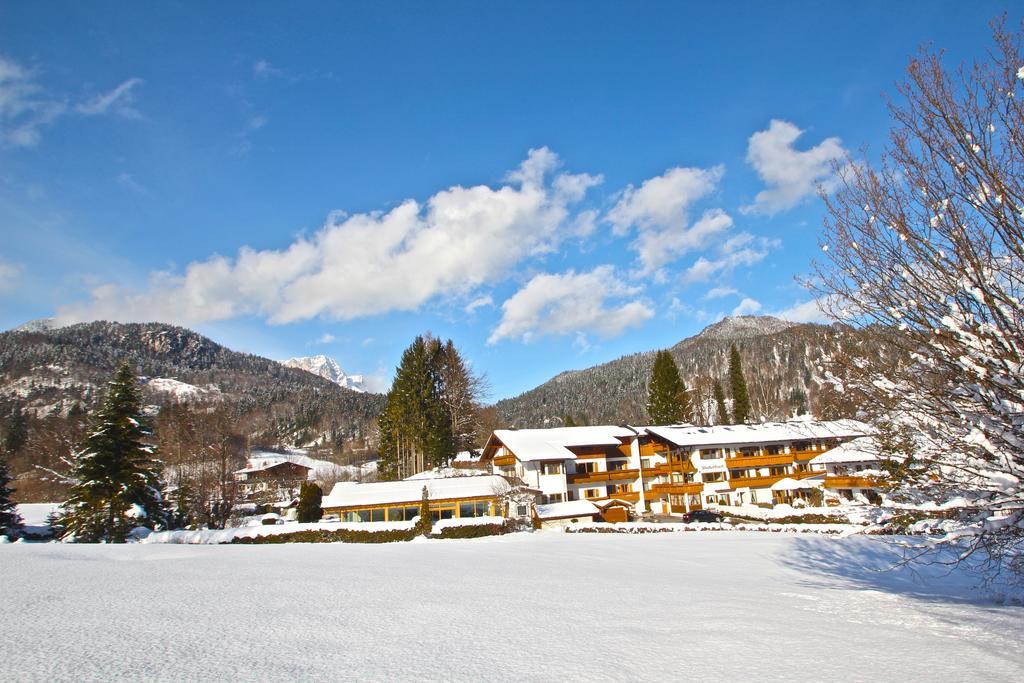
(744, 326)
(328, 368)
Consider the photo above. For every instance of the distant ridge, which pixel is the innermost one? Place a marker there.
(328, 368)
(783, 363)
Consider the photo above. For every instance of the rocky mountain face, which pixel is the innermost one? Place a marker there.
(328, 368)
(55, 373)
(784, 364)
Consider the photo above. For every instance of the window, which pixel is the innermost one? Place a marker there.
(357, 516)
(586, 467)
(750, 451)
(776, 471)
(801, 446)
(714, 476)
(549, 498)
(377, 515)
(774, 449)
(645, 463)
(616, 465)
(522, 510)
(552, 468)
(477, 508)
(592, 493)
(396, 514)
(445, 512)
(619, 488)
(710, 453)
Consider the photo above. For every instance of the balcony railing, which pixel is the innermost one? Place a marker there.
(596, 477)
(756, 482)
(679, 488)
(853, 482)
(759, 460)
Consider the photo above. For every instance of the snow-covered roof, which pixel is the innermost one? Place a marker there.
(447, 472)
(267, 464)
(552, 444)
(797, 430)
(572, 508)
(790, 484)
(864, 449)
(352, 494)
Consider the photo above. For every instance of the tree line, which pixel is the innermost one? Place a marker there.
(669, 401)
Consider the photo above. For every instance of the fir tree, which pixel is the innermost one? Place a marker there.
(16, 435)
(310, 497)
(667, 399)
(415, 426)
(738, 385)
(118, 477)
(10, 520)
(723, 415)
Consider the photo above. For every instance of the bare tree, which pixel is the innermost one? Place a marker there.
(924, 253)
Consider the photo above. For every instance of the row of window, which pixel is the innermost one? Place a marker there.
(476, 508)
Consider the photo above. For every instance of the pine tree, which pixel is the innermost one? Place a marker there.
(722, 416)
(460, 391)
(118, 477)
(667, 399)
(310, 497)
(415, 426)
(10, 520)
(738, 385)
(16, 435)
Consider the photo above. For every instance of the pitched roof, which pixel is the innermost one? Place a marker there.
(352, 494)
(864, 449)
(795, 430)
(271, 464)
(552, 444)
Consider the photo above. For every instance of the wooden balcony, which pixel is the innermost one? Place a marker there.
(629, 496)
(835, 481)
(756, 482)
(598, 477)
(679, 488)
(759, 460)
(806, 455)
(505, 460)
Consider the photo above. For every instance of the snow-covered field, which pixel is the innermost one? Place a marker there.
(696, 606)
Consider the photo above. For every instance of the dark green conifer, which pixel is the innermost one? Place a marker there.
(118, 476)
(723, 415)
(10, 520)
(310, 497)
(667, 399)
(741, 412)
(425, 523)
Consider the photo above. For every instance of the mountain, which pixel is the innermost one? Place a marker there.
(782, 362)
(328, 368)
(50, 372)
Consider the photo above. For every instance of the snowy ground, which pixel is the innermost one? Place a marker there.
(540, 606)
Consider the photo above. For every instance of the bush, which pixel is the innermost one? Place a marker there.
(332, 536)
(476, 530)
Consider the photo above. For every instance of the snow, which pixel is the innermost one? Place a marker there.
(864, 449)
(518, 607)
(318, 468)
(551, 444)
(446, 472)
(216, 536)
(795, 430)
(181, 390)
(328, 368)
(465, 521)
(567, 509)
(349, 493)
(35, 514)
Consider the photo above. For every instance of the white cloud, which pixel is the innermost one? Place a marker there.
(659, 211)
(366, 264)
(570, 303)
(789, 174)
(261, 68)
(804, 312)
(24, 108)
(119, 101)
(742, 249)
(478, 302)
(721, 292)
(10, 275)
(325, 338)
(747, 307)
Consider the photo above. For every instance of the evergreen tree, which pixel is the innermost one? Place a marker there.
(667, 399)
(567, 421)
(738, 385)
(460, 391)
(10, 520)
(415, 426)
(310, 497)
(16, 435)
(425, 523)
(723, 415)
(118, 477)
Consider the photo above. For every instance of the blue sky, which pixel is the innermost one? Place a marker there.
(552, 185)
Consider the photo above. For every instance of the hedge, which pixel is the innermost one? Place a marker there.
(475, 530)
(332, 536)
